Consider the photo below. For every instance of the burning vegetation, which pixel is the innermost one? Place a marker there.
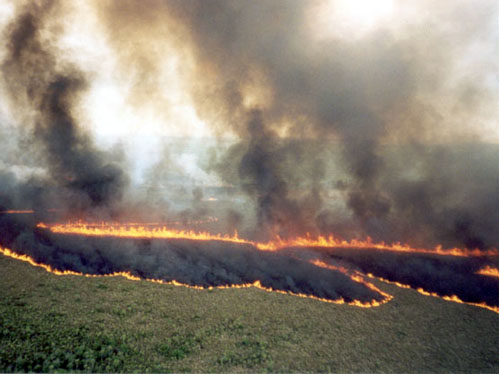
(330, 177)
(325, 270)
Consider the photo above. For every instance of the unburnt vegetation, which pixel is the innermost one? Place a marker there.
(68, 323)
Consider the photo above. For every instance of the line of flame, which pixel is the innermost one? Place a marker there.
(357, 277)
(12, 211)
(143, 232)
(422, 291)
(489, 271)
(158, 224)
(257, 284)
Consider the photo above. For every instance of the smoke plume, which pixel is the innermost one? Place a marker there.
(46, 89)
(391, 95)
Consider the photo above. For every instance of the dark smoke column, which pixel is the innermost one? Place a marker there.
(43, 89)
(408, 172)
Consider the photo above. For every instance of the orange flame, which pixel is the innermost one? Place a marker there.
(158, 224)
(210, 199)
(140, 232)
(489, 270)
(357, 277)
(17, 211)
(452, 298)
(163, 232)
(257, 284)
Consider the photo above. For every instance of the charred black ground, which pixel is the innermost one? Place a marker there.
(444, 275)
(213, 263)
(193, 263)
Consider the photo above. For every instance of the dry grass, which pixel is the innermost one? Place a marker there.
(114, 324)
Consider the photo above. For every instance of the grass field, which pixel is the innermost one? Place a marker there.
(71, 323)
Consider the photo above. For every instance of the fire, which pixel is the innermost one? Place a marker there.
(163, 232)
(452, 298)
(210, 199)
(27, 211)
(158, 230)
(489, 270)
(158, 224)
(11, 211)
(332, 242)
(257, 284)
(140, 232)
(357, 277)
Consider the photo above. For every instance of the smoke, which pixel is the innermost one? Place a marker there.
(44, 90)
(419, 91)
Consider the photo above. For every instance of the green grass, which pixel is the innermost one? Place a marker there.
(52, 323)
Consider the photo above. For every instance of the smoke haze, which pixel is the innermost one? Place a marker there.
(267, 115)
(395, 118)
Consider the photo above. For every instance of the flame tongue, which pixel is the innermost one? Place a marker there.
(356, 277)
(139, 232)
(489, 271)
(452, 298)
(12, 211)
(136, 230)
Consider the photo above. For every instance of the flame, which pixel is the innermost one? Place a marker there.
(210, 199)
(159, 224)
(357, 277)
(332, 242)
(27, 211)
(452, 298)
(489, 270)
(257, 284)
(163, 232)
(142, 232)
(11, 211)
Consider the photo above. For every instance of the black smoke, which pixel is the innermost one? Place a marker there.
(44, 89)
(394, 111)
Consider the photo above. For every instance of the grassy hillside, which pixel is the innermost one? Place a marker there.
(56, 323)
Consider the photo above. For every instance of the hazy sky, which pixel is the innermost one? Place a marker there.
(125, 99)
